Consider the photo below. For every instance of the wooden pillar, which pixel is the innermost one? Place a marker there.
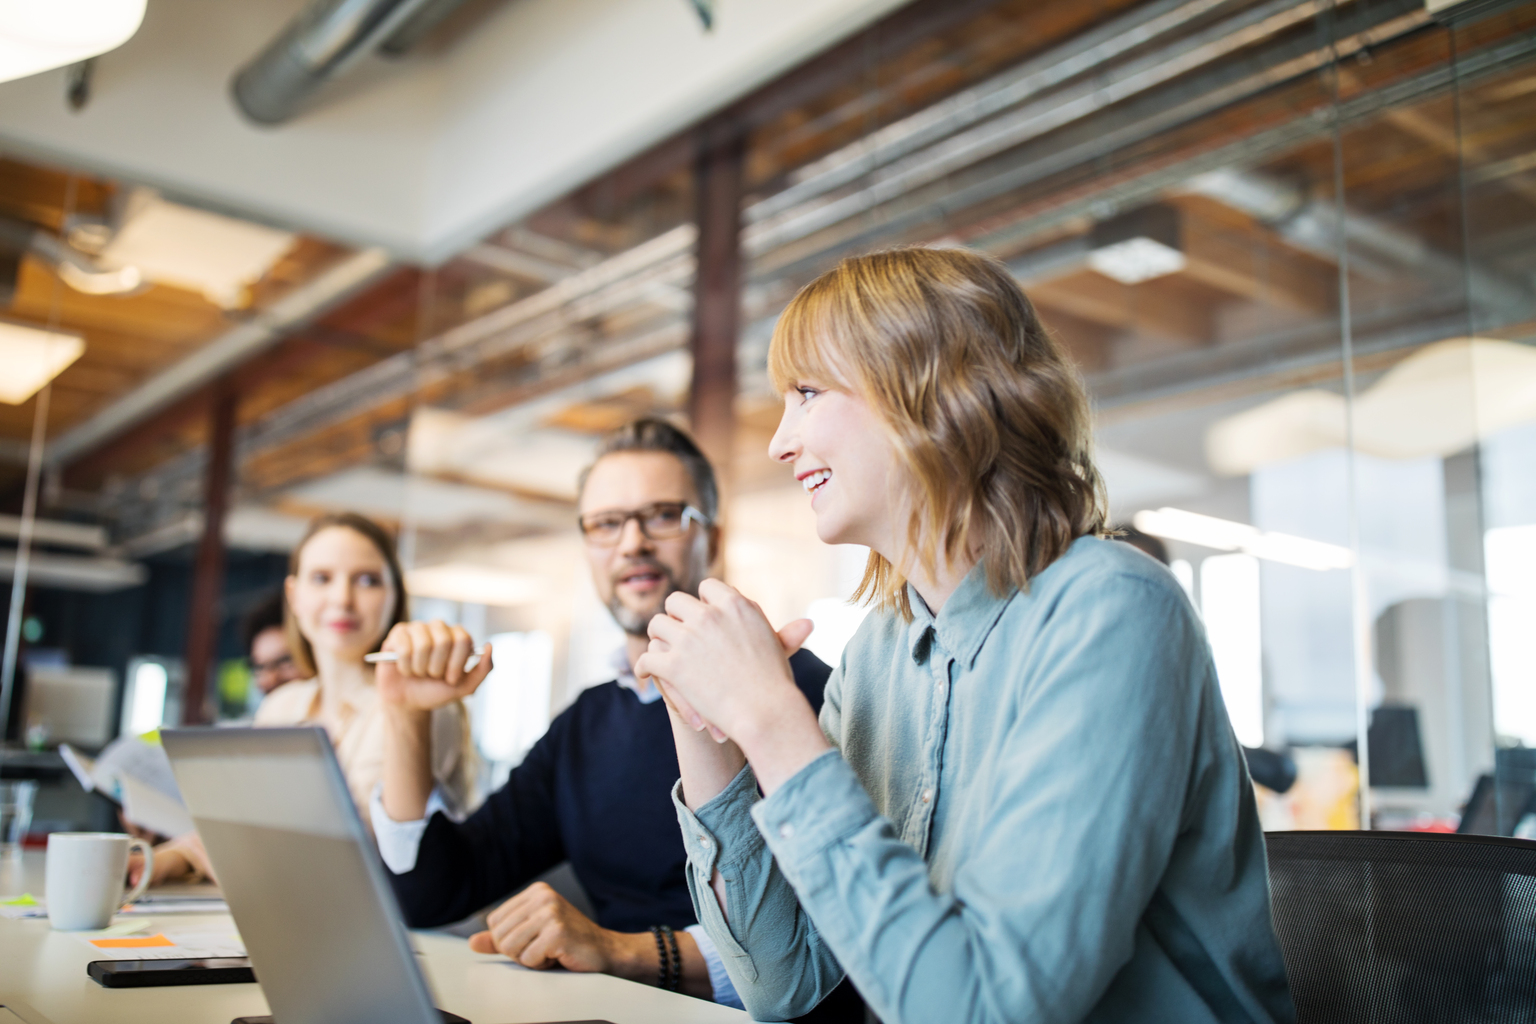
(717, 294)
(208, 569)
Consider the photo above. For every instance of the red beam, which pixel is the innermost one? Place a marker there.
(717, 295)
(208, 570)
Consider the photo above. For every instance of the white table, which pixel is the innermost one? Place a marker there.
(42, 977)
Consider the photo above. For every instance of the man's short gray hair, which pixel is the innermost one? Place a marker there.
(652, 434)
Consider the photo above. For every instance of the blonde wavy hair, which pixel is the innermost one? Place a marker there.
(987, 414)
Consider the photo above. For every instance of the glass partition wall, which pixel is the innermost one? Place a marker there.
(1292, 248)
(1293, 255)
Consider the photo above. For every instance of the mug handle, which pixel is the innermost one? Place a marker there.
(149, 866)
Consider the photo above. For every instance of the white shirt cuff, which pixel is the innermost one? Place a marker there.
(719, 980)
(399, 840)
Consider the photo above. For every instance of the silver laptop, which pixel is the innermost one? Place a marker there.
(304, 883)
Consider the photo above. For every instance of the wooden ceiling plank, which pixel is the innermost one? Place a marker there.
(1144, 308)
(1255, 265)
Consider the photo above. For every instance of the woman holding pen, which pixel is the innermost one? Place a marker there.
(343, 595)
(1023, 800)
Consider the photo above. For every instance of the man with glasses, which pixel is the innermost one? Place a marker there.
(596, 789)
(271, 662)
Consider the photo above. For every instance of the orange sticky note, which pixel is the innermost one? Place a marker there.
(138, 942)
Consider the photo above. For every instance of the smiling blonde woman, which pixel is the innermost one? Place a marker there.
(1023, 800)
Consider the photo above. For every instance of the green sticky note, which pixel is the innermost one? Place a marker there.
(26, 899)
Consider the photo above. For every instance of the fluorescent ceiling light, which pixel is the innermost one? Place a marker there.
(38, 35)
(72, 572)
(194, 249)
(1138, 246)
(1440, 400)
(56, 531)
(1136, 260)
(473, 584)
(1225, 535)
(32, 357)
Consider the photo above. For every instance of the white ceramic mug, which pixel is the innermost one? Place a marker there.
(85, 877)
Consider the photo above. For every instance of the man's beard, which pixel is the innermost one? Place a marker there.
(635, 622)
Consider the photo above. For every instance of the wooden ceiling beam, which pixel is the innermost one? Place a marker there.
(1148, 308)
(1088, 343)
(1254, 264)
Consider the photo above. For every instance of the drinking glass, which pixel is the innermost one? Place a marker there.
(16, 799)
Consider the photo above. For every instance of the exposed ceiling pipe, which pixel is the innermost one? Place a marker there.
(79, 270)
(1317, 225)
(418, 26)
(321, 42)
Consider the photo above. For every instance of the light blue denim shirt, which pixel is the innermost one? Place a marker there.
(1037, 812)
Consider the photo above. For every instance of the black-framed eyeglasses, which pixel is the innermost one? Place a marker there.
(275, 665)
(663, 520)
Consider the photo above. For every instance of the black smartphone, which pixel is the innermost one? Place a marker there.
(224, 970)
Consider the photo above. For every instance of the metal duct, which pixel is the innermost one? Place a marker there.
(324, 40)
(79, 270)
(418, 26)
(1376, 247)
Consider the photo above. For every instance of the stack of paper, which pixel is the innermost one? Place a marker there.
(137, 776)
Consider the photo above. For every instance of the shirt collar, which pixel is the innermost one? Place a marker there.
(625, 677)
(963, 624)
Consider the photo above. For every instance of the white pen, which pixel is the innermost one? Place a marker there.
(378, 657)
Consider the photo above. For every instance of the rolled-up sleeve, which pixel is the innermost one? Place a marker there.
(765, 915)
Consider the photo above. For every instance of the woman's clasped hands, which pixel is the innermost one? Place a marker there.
(722, 668)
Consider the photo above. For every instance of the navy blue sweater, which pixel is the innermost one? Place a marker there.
(595, 790)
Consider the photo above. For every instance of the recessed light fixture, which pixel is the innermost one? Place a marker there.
(32, 357)
(39, 35)
(194, 249)
(1138, 246)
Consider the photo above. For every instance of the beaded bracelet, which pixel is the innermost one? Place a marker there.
(675, 983)
(663, 962)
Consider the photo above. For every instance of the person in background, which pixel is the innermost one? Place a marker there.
(343, 593)
(266, 642)
(594, 790)
(1023, 800)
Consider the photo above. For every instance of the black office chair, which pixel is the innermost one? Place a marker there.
(1381, 927)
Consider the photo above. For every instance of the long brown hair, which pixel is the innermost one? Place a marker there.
(298, 644)
(988, 416)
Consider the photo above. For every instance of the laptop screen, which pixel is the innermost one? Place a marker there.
(301, 877)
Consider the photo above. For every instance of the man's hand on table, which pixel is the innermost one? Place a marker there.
(540, 929)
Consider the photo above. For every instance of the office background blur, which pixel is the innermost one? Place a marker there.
(1291, 245)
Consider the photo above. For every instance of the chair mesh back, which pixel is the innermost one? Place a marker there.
(1388, 927)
